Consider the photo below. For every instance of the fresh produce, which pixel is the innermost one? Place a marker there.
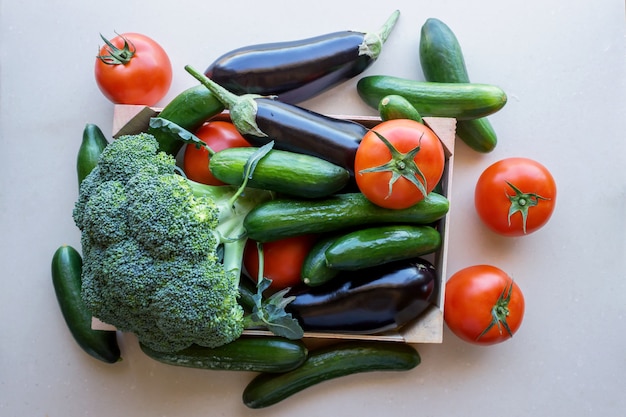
(368, 301)
(381, 245)
(329, 362)
(483, 305)
(142, 224)
(292, 128)
(283, 260)
(315, 270)
(457, 100)
(250, 354)
(189, 110)
(298, 70)
(66, 278)
(515, 196)
(285, 217)
(286, 172)
(132, 68)
(218, 135)
(89, 151)
(394, 106)
(442, 60)
(398, 163)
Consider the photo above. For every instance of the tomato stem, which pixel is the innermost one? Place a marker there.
(117, 56)
(521, 202)
(500, 311)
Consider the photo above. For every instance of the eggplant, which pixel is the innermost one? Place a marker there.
(368, 301)
(298, 70)
(292, 128)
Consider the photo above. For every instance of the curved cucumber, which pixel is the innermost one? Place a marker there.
(254, 354)
(189, 110)
(456, 100)
(281, 218)
(66, 270)
(397, 107)
(315, 270)
(380, 245)
(91, 147)
(327, 363)
(442, 60)
(281, 171)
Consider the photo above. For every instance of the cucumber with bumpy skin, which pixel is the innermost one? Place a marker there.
(91, 147)
(315, 270)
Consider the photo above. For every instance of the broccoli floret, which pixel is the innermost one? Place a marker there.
(162, 255)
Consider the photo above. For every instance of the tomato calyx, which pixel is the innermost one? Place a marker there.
(117, 56)
(521, 202)
(499, 312)
(401, 165)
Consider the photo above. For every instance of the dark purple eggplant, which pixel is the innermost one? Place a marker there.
(298, 70)
(292, 128)
(370, 300)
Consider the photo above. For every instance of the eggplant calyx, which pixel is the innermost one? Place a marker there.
(372, 44)
(500, 311)
(401, 165)
(117, 56)
(521, 202)
(243, 109)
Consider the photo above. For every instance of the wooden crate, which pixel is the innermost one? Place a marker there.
(428, 328)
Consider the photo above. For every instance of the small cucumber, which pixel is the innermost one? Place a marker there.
(442, 60)
(66, 270)
(380, 245)
(281, 218)
(315, 270)
(189, 110)
(285, 172)
(330, 362)
(394, 106)
(91, 147)
(253, 354)
(457, 100)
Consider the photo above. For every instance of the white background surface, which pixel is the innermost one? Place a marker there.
(563, 66)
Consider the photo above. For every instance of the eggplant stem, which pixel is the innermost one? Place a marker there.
(372, 44)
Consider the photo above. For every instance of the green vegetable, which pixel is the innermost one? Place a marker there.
(253, 354)
(456, 100)
(190, 109)
(315, 270)
(327, 363)
(380, 245)
(89, 151)
(282, 171)
(163, 255)
(282, 217)
(394, 106)
(66, 270)
(442, 60)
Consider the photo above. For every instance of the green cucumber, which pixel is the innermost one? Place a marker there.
(315, 270)
(380, 245)
(66, 278)
(281, 218)
(456, 100)
(253, 354)
(285, 172)
(91, 147)
(394, 106)
(330, 362)
(189, 110)
(442, 60)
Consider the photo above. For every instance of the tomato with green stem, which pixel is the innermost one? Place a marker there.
(398, 163)
(483, 305)
(515, 196)
(132, 68)
(218, 135)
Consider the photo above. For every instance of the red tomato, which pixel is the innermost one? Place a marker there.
(515, 196)
(283, 260)
(483, 305)
(400, 173)
(217, 135)
(135, 70)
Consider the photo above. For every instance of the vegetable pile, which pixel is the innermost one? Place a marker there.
(281, 219)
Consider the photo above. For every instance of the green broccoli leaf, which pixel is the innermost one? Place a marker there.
(181, 134)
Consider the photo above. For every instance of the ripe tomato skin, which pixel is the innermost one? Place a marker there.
(145, 79)
(470, 296)
(404, 135)
(218, 135)
(283, 260)
(493, 205)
